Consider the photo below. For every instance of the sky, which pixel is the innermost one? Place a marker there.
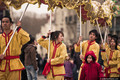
(33, 8)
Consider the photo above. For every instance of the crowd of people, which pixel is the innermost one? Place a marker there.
(84, 60)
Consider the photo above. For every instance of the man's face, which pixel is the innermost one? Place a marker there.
(92, 36)
(112, 42)
(6, 24)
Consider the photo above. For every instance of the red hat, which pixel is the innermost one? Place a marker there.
(90, 53)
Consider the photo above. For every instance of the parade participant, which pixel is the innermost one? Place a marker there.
(58, 52)
(11, 66)
(107, 44)
(88, 45)
(91, 69)
(111, 57)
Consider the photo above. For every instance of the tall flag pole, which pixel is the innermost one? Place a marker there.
(50, 34)
(80, 31)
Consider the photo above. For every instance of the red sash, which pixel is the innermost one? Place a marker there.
(9, 57)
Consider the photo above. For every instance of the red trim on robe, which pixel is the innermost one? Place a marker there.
(58, 65)
(103, 51)
(111, 54)
(4, 35)
(54, 51)
(48, 65)
(17, 69)
(11, 57)
(114, 72)
(19, 75)
(57, 74)
(19, 29)
(55, 48)
(89, 44)
(106, 72)
(8, 52)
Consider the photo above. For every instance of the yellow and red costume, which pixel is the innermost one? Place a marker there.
(87, 46)
(57, 56)
(108, 46)
(11, 66)
(118, 47)
(111, 62)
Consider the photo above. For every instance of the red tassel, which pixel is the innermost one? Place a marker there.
(106, 72)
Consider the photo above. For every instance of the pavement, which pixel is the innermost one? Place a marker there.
(41, 77)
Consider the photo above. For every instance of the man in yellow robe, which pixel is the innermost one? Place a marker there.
(88, 45)
(11, 66)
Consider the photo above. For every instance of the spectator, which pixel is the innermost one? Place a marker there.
(30, 60)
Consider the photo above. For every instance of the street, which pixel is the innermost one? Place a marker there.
(41, 77)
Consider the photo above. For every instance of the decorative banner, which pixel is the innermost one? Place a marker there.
(91, 10)
(107, 13)
(52, 4)
(17, 3)
(84, 11)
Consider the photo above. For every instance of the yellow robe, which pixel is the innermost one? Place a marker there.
(20, 38)
(113, 61)
(118, 47)
(86, 47)
(93, 47)
(58, 53)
